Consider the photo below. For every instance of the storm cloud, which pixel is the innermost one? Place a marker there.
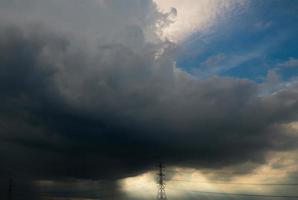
(91, 106)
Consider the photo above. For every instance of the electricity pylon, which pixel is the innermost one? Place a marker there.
(161, 194)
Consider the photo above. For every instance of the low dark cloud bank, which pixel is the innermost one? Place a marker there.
(69, 110)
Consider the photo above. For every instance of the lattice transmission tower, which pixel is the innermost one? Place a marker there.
(161, 194)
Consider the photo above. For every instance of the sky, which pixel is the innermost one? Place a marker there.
(95, 93)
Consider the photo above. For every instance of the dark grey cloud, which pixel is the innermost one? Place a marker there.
(71, 110)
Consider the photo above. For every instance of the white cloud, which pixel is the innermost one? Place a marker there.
(291, 62)
(193, 15)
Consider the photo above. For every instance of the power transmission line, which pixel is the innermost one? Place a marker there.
(239, 194)
(230, 173)
(238, 183)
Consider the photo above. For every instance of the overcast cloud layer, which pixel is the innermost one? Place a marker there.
(89, 91)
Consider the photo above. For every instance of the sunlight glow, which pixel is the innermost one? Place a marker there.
(181, 181)
(143, 185)
(195, 16)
